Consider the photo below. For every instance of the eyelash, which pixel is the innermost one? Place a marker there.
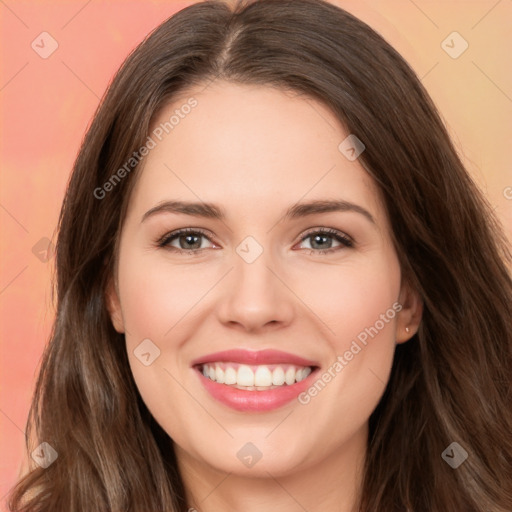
(345, 241)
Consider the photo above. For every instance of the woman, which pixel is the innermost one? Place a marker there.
(278, 288)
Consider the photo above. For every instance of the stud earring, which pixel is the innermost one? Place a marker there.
(407, 330)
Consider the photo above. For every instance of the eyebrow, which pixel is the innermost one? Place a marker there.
(299, 210)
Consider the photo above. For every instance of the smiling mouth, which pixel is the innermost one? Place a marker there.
(255, 377)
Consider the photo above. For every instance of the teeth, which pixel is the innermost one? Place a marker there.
(219, 375)
(290, 376)
(278, 376)
(245, 376)
(230, 375)
(261, 377)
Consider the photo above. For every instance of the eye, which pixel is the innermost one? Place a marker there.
(189, 240)
(321, 240)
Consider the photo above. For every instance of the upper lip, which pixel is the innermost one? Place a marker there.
(251, 357)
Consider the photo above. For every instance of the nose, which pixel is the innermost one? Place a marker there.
(255, 297)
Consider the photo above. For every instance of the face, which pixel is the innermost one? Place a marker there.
(287, 268)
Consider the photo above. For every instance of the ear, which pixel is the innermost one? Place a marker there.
(409, 317)
(114, 306)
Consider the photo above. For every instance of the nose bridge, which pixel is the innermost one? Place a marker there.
(252, 280)
(255, 296)
(252, 269)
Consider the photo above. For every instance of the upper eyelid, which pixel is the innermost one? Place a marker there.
(329, 231)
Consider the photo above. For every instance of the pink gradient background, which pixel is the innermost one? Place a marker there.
(46, 105)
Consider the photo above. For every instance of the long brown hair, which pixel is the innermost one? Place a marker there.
(449, 383)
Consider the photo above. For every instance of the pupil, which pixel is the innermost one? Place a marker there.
(188, 238)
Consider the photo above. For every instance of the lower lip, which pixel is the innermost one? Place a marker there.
(255, 401)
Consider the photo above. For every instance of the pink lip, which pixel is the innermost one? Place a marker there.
(243, 356)
(254, 401)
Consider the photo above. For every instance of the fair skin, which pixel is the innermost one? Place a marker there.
(254, 152)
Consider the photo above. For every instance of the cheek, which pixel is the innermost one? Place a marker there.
(365, 304)
(358, 307)
(159, 302)
(350, 297)
(157, 296)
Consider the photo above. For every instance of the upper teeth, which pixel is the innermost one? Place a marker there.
(261, 376)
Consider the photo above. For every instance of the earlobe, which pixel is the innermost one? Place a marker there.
(409, 317)
(114, 307)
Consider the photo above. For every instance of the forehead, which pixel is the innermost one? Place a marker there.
(251, 148)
